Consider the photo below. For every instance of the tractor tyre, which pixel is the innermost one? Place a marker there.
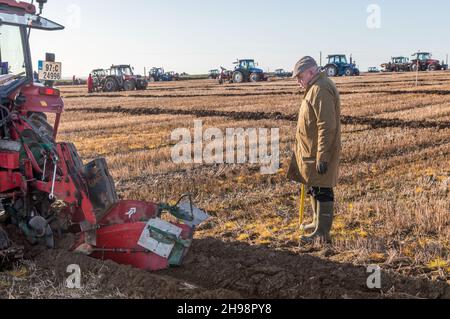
(238, 77)
(331, 71)
(152, 79)
(254, 77)
(129, 85)
(110, 85)
(432, 67)
(348, 72)
(144, 86)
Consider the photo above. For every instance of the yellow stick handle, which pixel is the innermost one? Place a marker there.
(302, 205)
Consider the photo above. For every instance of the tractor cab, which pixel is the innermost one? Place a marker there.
(17, 19)
(121, 70)
(247, 64)
(400, 60)
(422, 56)
(157, 71)
(17, 87)
(337, 59)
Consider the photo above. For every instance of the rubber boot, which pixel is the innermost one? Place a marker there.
(313, 225)
(4, 240)
(325, 212)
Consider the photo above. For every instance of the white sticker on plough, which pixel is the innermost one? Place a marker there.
(152, 244)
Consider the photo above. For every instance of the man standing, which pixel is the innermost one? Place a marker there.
(90, 84)
(318, 147)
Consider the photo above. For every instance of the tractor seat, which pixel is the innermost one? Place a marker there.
(11, 146)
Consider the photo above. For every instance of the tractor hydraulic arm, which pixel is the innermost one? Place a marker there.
(69, 187)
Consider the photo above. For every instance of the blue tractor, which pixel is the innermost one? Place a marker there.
(338, 66)
(246, 71)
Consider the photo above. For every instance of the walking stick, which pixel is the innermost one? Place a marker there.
(302, 205)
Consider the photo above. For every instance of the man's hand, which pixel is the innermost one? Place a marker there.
(322, 168)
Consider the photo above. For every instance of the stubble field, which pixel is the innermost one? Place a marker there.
(393, 206)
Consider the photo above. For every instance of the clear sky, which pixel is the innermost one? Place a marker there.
(198, 35)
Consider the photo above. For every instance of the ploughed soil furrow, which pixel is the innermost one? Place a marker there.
(146, 96)
(375, 156)
(390, 123)
(131, 282)
(399, 92)
(256, 271)
(386, 82)
(257, 116)
(265, 92)
(217, 269)
(403, 160)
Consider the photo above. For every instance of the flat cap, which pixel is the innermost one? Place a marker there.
(304, 64)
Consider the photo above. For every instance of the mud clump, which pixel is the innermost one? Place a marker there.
(129, 281)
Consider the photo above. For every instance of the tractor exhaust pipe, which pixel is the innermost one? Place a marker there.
(41, 5)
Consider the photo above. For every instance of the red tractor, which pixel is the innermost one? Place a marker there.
(36, 171)
(423, 62)
(122, 78)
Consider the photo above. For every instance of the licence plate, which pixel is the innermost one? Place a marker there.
(50, 71)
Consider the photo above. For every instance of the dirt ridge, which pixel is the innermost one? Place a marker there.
(256, 116)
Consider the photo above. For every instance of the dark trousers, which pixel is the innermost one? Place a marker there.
(322, 194)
